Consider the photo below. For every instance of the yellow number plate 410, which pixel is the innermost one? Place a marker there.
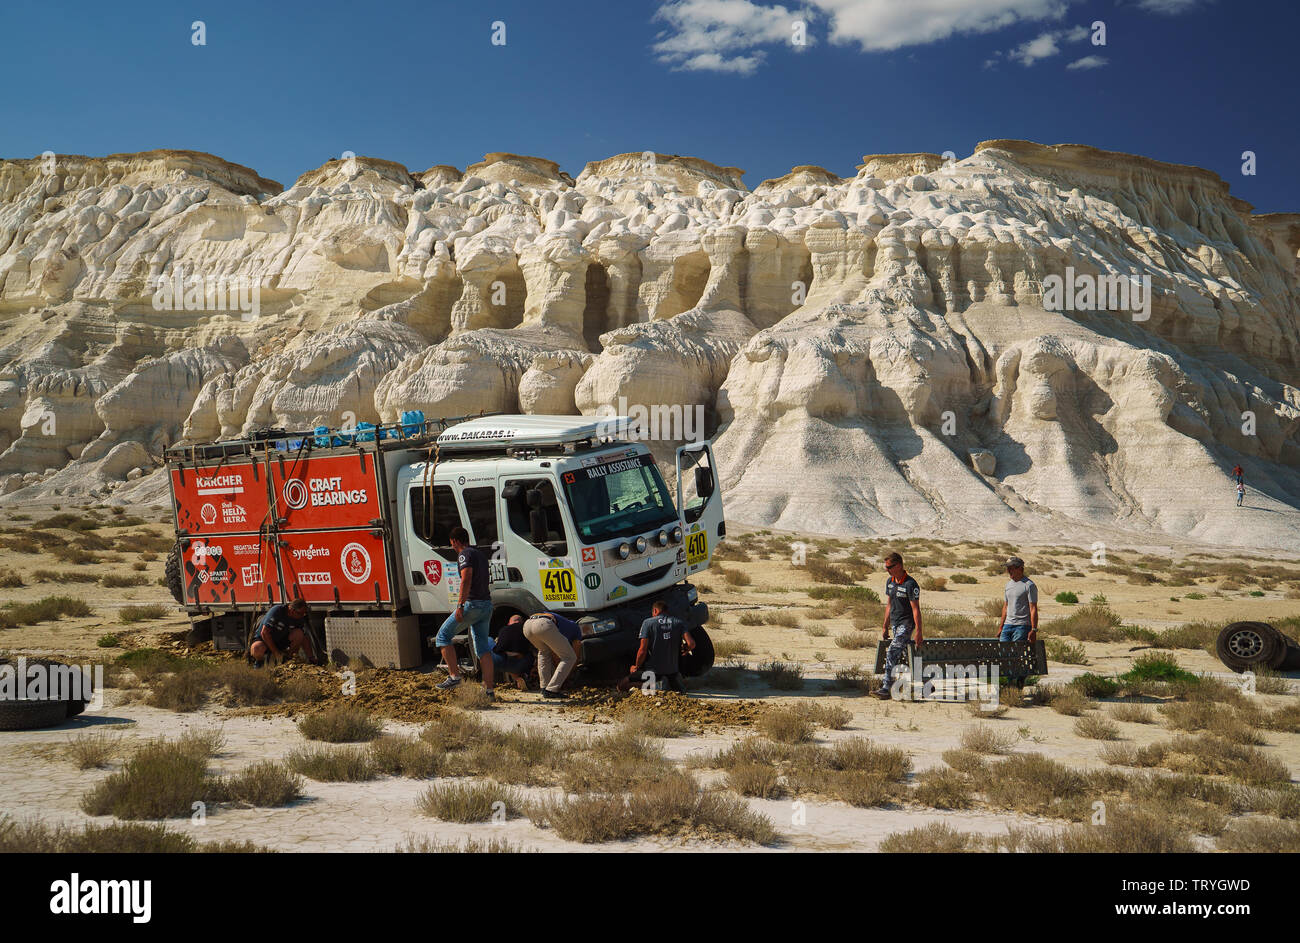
(558, 585)
(697, 547)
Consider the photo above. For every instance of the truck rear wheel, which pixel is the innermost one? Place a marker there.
(172, 571)
(695, 663)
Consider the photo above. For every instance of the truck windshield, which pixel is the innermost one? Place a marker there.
(618, 498)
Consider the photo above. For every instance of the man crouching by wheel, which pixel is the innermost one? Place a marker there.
(282, 633)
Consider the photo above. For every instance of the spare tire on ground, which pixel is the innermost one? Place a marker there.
(30, 713)
(1250, 646)
(692, 664)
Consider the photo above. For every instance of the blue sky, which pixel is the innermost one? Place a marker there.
(284, 86)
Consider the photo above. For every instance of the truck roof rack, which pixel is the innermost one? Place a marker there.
(495, 433)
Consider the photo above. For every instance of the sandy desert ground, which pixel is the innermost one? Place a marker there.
(1225, 776)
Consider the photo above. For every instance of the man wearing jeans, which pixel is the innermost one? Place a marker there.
(902, 618)
(1019, 622)
(473, 612)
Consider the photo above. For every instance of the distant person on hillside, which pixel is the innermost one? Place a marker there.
(1019, 620)
(1241, 493)
(1239, 474)
(282, 633)
(902, 618)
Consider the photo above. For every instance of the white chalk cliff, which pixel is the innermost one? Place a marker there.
(874, 354)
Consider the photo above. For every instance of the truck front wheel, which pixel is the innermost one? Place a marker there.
(695, 663)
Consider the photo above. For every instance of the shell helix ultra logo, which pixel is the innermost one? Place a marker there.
(355, 561)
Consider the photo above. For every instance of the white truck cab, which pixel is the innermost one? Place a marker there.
(570, 518)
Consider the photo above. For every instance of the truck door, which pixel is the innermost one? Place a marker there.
(699, 501)
(431, 513)
(481, 510)
(546, 568)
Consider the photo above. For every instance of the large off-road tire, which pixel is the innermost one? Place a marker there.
(32, 715)
(1247, 646)
(695, 663)
(175, 577)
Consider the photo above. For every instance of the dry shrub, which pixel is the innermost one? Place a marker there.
(784, 676)
(404, 756)
(162, 779)
(982, 739)
(469, 801)
(822, 571)
(654, 723)
(1261, 835)
(433, 846)
(1032, 783)
(783, 618)
(750, 618)
(785, 725)
(855, 641)
(1125, 831)
(247, 686)
(1096, 728)
(1131, 713)
(992, 607)
(340, 725)
(146, 613)
(730, 648)
(1070, 703)
(301, 688)
(92, 750)
(1088, 624)
(733, 577)
(182, 692)
(264, 785)
(326, 765)
(935, 838)
(934, 584)
(455, 730)
(853, 677)
(755, 779)
(944, 789)
(471, 697)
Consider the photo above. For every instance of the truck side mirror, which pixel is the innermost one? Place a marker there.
(703, 481)
(537, 524)
(511, 492)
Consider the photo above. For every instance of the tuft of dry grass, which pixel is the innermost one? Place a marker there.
(1131, 713)
(1096, 728)
(755, 779)
(654, 723)
(264, 785)
(93, 750)
(984, 739)
(944, 789)
(935, 838)
(785, 725)
(404, 756)
(784, 676)
(162, 779)
(1261, 835)
(1070, 702)
(344, 765)
(469, 802)
(340, 725)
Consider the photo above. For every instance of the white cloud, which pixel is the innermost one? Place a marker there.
(723, 35)
(728, 35)
(1046, 45)
(1088, 62)
(1168, 7)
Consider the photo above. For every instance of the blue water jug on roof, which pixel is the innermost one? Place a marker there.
(365, 432)
(322, 437)
(412, 421)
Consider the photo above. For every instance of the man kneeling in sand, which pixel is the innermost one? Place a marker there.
(282, 633)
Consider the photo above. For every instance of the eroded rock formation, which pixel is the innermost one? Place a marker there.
(875, 354)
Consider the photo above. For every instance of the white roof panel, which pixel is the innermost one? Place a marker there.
(501, 431)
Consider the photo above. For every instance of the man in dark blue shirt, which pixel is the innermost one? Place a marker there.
(282, 632)
(657, 657)
(473, 611)
(902, 618)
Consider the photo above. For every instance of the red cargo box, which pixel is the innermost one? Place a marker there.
(326, 492)
(229, 569)
(354, 562)
(224, 498)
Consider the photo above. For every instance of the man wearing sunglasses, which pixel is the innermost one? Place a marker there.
(902, 618)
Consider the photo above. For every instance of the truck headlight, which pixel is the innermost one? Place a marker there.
(640, 545)
(624, 550)
(692, 594)
(677, 535)
(662, 538)
(604, 625)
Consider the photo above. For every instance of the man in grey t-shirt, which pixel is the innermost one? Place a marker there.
(1019, 620)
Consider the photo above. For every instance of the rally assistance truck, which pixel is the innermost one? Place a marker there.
(570, 511)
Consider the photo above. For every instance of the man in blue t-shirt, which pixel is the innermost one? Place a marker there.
(282, 633)
(658, 655)
(902, 619)
(473, 611)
